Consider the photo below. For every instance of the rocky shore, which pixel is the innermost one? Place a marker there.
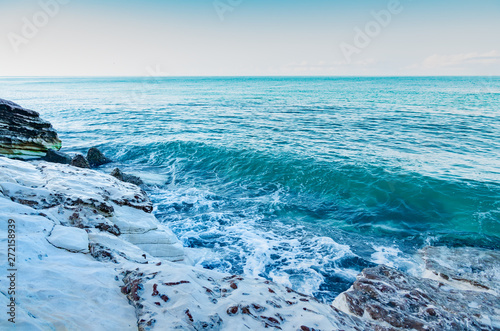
(90, 255)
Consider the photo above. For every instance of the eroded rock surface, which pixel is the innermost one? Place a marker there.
(391, 297)
(199, 299)
(88, 245)
(464, 267)
(88, 199)
(23, 134)
(69, 238)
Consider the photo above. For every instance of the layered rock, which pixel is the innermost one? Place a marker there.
(23, 134)
(390, 297)
(88, 199)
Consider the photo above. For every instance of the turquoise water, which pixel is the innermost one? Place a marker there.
(301, 180)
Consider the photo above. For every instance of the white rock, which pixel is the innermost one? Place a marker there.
(86, 198)
(132, 220)
(57, 289)
(71, 239)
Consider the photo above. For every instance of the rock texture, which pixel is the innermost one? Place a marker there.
(393, 298)
(117, 173)
(96, 158)
(57, 157)
(91, 256)
(88, 199)
(80, 161)
(23, 134)
(199, 299)
(69, 238)
(464, 267)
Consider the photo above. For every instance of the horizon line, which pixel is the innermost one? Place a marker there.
(254, 76)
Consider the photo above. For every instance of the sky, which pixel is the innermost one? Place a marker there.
(249, 37)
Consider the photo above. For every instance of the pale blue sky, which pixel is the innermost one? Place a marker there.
(254, 37)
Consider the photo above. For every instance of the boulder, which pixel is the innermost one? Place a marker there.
(96, 158)
(57, 157)
(80, 161)
(23, 134)
(117, 173)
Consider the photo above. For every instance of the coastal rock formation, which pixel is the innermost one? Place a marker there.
(88, 245)
(57, 157)
(199, 299)
(96, 158)
(88, 199)
(69, 238)
(23, 134)
(117, 173)
(468, 268)
(80, 161)
(391, 297)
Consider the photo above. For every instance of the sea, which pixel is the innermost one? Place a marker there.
(304, 181)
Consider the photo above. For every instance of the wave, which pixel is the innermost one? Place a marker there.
(354, 197)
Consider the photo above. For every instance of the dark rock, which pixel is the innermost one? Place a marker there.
(113, 229)
(57, 157)
(23, 134)
(117, 173)
(80, 161)
(389, 296)
(96, 158)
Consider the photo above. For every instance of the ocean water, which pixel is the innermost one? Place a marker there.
(304, 181)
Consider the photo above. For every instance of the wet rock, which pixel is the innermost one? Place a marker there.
(390, 296)
(464, 267)
(190, 303)
(80, 161)
(23, 134)
(117, 173)
(96, 158)
(57, 157)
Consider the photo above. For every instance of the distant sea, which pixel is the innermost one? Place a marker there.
(304, 181)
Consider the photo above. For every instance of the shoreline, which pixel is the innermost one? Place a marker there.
(56, 206)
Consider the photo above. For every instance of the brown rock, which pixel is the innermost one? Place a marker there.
(80, 162)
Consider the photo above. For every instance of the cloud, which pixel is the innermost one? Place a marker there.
(460, 60)
(327, 68)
